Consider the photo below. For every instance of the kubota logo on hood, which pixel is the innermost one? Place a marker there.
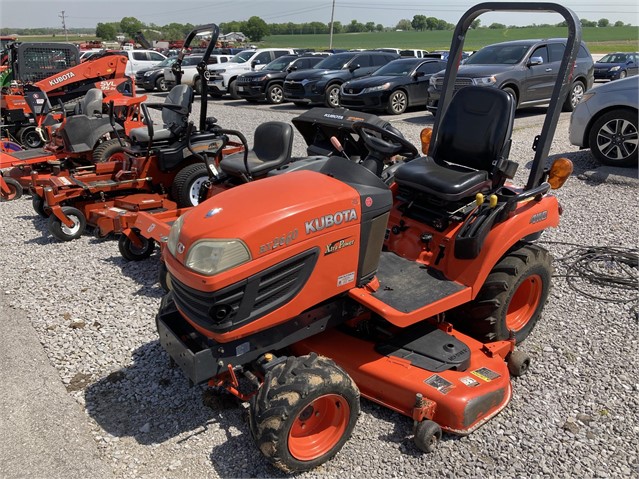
(61, 78)
(323, 222)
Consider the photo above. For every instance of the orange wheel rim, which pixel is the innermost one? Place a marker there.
(119, 156)
(319, 427)
(13, 192)
(524, 303)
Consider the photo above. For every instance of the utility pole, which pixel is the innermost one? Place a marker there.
(330, 42)
(64, 26)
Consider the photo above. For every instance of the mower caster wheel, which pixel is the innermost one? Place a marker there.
(15, 190)
(131, 252)
(63, 232)
(304, 412)
(38, 206)
(427, 435)
(518, 363)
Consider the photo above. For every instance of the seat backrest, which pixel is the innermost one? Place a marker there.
(273, 140)
(476, 129)
(181, 95)
(91, 103)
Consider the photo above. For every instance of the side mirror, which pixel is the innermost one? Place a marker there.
(254, 63)
(352, 68)
(535, 61)
(418, 74)
(291, 69)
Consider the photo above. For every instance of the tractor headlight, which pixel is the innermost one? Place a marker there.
(174, 235)
(614, 69)
(210, 257)
(485, 81)
(371, 89)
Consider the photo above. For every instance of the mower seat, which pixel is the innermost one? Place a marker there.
(91, 103)
(175, 116)
(272, 148)
(471, 153)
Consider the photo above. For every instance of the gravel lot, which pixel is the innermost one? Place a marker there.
(574, 415)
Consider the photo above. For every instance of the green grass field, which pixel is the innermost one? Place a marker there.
(599, 40)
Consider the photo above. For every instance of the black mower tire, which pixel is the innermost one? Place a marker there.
(304, 412)
(15, 190)
(185, 191)
(38, 206)
(620, 123)
(512, 297)
(30, 138)
(62, 232)
(130, 252)
(427, 435)
(108, 149)
(518, 363)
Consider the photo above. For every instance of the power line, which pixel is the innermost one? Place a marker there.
(64, 26)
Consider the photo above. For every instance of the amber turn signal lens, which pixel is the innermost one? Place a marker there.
(425, 136)
(560, 171)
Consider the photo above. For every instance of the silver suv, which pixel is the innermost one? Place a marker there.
(526, 69)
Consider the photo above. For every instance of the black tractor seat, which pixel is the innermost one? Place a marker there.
(272, 147)
(175, 115)
(471, 153)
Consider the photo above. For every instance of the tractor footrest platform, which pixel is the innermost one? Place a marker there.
(406, 285)
(30, 154)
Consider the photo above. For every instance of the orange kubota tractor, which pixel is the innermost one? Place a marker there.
(55, 70)
(319, 286)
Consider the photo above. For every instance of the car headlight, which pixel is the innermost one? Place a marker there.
(371, 89)
(485, 81)
(174, 235)
(614, 69)
(217, 72)
(148, 74)
(258, 79)
(210, 257)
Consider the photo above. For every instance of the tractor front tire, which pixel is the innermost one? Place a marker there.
(304, 412)
(110, 150)
(15, 190)
(61, 231)
(187, 184)
(512, 297)
(131, 252)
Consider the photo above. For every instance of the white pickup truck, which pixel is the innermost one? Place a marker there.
(222, 79)
(190, 76)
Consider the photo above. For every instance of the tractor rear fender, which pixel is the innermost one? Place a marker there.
(529, 217)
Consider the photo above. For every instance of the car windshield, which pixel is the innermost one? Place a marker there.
(190, 61)
(167, 62)
(499, 55)
(396, 68)
(614, 58)
(279, 64)
(242, 57)
(335, 62)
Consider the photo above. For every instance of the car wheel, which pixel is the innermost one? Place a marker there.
(275, 94)
(197, 86)
(233, 91)
(613, 138)
(397, 103)
(622, 74)
(332, 96)
(575, 95)
(160, 84)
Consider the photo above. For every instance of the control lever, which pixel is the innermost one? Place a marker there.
(338, 146)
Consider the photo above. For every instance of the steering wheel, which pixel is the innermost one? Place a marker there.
(388, 144)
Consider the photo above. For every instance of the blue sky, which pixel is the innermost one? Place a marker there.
(87, 13)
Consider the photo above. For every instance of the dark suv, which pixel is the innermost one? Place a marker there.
(269, 82)
(524, 68)
(322, 84)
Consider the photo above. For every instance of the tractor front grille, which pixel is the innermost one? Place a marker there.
(242, 302)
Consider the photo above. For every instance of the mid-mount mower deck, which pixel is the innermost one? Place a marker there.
(340, 286)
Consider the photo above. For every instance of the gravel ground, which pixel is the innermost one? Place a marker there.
(574, 415)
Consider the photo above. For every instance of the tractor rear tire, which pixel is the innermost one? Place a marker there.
(38, 206)
(512, 297)
(61, 231)
(187, 184)
(15, 190)
(304, 412)
(130, 252)
(110, 150)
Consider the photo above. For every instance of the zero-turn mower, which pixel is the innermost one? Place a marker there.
(322, 285)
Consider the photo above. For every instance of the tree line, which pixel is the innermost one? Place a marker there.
(256, 28)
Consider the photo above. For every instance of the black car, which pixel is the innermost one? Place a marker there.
(526, 69)
(269, 82)
(614, 66)
(394, 87)
(322, 84)
(153, 78)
